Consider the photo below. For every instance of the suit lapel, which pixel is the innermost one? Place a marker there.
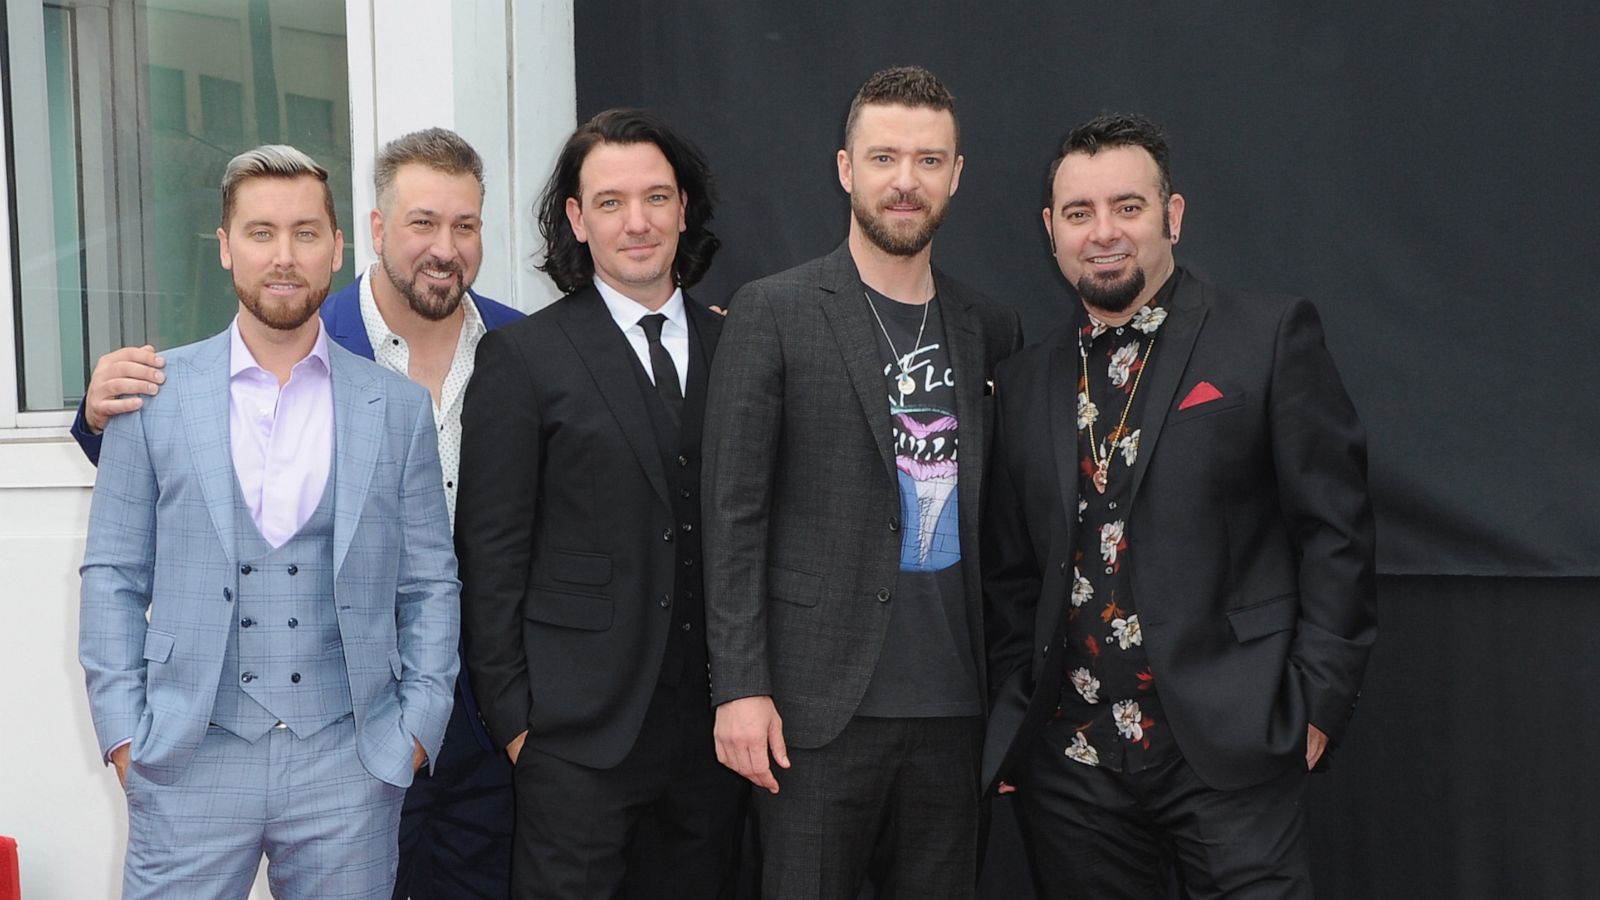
(1063, 394)
(705, 327)
(211, 447)
(358, 429)
(607, 355)
(966, 357)
(1175, 342)
(856, 334)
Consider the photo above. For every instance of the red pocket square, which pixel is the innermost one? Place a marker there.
(1204, 392)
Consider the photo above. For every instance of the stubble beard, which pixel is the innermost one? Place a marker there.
(281, 316)
(897, 242)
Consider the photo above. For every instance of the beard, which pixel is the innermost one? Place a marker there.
(285, 316)
(430, 302)
(1113, 296)
(907, 240)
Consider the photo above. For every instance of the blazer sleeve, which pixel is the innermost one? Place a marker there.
(1320, 457)
(496, 502)
(427, 594)
(744, 423)
(118, 569)
(88, 441)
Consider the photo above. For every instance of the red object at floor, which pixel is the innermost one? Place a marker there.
(10, 879)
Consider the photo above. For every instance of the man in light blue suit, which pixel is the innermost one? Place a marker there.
(270, 610)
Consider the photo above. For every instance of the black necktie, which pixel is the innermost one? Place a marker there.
(666, 374)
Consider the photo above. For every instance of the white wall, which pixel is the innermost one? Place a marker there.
(499, 73)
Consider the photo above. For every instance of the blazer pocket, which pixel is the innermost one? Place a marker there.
(794, 586)
(585, 612)
(158, 646)
(1267, 617)
(578, 567)
(1211, 408)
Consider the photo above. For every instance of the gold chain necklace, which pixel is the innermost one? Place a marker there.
(1102, 465)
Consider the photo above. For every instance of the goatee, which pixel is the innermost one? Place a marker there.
(1112, 296)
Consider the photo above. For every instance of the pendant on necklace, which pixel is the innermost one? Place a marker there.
(906, 383)
(1101, 476)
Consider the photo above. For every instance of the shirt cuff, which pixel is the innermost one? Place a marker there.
(114, 748)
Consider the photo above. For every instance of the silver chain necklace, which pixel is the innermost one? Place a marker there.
(905, 382)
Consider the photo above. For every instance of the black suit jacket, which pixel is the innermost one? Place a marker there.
(802, 499)
(1255, 585)
(565, 528)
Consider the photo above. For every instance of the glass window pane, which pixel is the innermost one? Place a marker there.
(141, 103)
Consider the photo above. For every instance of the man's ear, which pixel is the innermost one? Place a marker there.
(223, 252)
(575, 219)
(377, 231)
(955, 177)
(1175, 216)
(847, 178)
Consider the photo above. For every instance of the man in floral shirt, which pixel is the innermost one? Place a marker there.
(1178, 555)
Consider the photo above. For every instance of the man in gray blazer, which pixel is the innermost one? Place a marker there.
(269, 613)
(845, 434)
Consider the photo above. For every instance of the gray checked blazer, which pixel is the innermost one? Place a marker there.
(801, 497)
(161, 545)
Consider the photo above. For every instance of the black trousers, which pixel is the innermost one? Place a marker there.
(1095, 833)
(455, 827)
(896, 798)
(664, 823)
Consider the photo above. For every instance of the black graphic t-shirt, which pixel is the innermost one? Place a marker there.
(926, 667)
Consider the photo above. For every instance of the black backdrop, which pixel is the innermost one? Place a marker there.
(1423, 172)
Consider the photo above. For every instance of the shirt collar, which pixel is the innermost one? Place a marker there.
(627, 312)
(240, 359)
(1146, 321)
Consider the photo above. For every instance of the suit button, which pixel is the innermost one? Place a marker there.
(686, 527)
(883, 595)
(682, 460)
(684, 493)
(666, 534)
(227, 594)
(687, 563)
(894, 523)
(685, 626)
(294, 623)
(295, 678)
(246, 623)
(666, 600)
(294, 570)
(1063, 567)
(244, 569)
(247, 677)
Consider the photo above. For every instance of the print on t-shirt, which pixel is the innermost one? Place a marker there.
(925, 441)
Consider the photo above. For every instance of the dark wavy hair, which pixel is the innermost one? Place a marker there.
(1115, 130)
(567, 260)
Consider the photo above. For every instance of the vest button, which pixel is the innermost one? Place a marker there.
(247, 677)
(685, 626)
(666, 534)
(682, 461)
(883, 595)
(294, 623)
(684, 493)
(295, 678)
(686, 527)
(294, 570)
(246, 623)
(688, 562)
(666, 600)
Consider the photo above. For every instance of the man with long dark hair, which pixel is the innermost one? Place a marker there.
(845, 443)
(578, 532)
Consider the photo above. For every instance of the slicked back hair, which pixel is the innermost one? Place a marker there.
(437, 148)
(911, 86)
(567, 260)
(272, 161)
(1114, 130)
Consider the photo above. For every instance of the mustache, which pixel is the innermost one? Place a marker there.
(438, 265)
(904, 198)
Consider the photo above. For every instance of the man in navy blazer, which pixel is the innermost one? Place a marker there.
(415, 313)
(269, 603)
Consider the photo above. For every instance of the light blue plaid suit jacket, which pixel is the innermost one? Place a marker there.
(161, 545)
